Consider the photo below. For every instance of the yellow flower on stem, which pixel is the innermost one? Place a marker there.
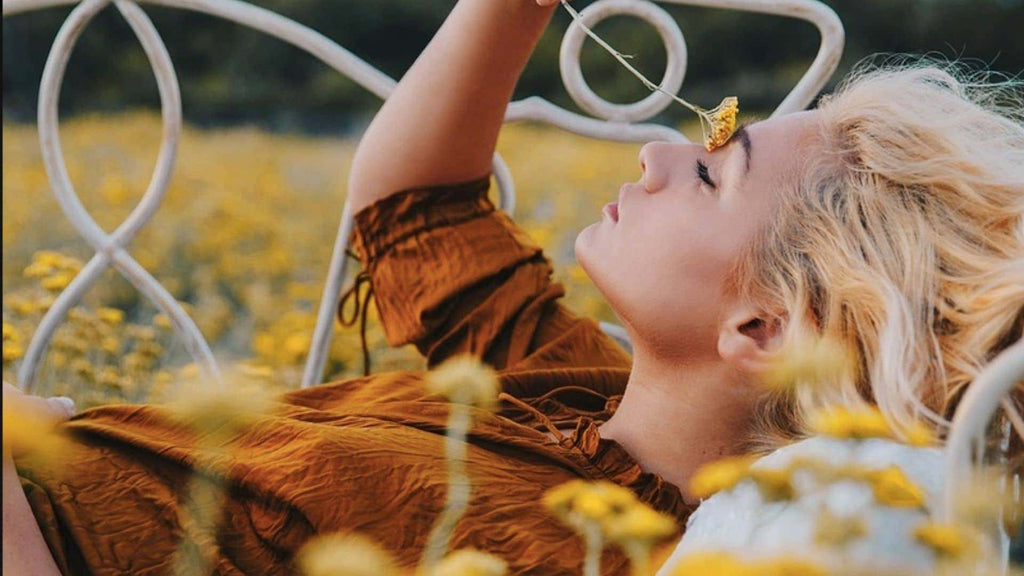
(720, 475)
(721, 123)
(465, 380)
(717, 124)
(344, 554)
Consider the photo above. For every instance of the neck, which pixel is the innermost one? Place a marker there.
(677, 416)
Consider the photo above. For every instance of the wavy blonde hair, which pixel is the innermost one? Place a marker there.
(904, 239)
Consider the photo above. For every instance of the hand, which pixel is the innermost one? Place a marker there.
(48, 412)
(546, 3)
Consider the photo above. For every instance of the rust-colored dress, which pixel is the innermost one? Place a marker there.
(451, 275)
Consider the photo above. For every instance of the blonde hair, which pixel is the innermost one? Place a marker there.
(903, 240)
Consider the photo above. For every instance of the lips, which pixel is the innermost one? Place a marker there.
(612, 210)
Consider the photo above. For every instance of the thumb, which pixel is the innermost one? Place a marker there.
(61, 407)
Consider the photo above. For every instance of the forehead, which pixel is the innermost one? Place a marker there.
(777, 145)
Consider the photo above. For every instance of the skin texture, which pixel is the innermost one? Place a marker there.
(662, 267)
(25, 551)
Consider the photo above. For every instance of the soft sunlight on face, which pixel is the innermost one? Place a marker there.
(662, 259)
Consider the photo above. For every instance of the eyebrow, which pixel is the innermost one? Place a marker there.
(744, 138)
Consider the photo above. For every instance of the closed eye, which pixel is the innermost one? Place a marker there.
(702, 173)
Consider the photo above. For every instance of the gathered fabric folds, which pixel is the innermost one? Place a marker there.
(448, 273)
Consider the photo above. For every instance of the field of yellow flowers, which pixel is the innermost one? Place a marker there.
(242, 238)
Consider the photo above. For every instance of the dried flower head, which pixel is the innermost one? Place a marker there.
(348, 554)
(465, 380)
(721, 123)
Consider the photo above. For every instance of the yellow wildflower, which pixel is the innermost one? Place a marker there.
(946, 540)
(83, 368)
(12, 351)
(809, 359)
(722, 123)
(110, 345)
(711, 564)
(162, 321)
(580, 501)
(296, 346)
(834, 530)
(640, 523)
(468, 562)
(465, 380)
(57, 282)
(21, 306)
(786, 566)
(43, 303)
(344, 554)
(38, 270)
(218, 410)
(892, 488)
(774, 484)
(110, 316)
(842, 422)
(719, 475)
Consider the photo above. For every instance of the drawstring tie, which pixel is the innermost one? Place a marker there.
(538, 416)
(359, 307)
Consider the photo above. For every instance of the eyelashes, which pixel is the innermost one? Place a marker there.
(702, 173)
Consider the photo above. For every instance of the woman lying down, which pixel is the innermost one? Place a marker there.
(887, 219)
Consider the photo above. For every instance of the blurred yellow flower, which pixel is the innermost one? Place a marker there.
(110, 316)
(774, 484)
(808, 358)
(891, 487)
(787, 566)
(469, 562)
(640, 523)
(833, 530)
(465, 380)
(720, 475)
(57, 282)
(947, 540)
(712, 564)
(344, 555)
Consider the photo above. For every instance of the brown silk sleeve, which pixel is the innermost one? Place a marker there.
(453, 275)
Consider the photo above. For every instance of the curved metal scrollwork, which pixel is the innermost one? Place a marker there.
(612, 122)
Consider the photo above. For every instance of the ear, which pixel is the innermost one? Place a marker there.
(747, 338)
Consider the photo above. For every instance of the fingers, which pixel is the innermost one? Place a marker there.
(62, 407)
(57, 408)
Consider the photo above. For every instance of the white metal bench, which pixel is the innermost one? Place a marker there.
(621, 122)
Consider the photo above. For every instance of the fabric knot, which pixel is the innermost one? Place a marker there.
(359, 308)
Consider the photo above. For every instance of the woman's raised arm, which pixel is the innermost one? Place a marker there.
(441, 123)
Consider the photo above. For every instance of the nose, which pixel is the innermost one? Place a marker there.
(655, 162)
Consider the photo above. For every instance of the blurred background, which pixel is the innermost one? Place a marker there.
(230, 74)
(244, 234)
